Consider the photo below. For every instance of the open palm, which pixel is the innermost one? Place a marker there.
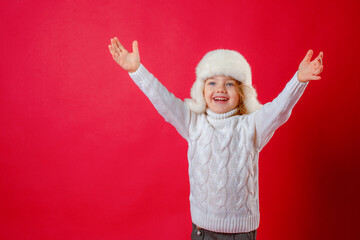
(128, 61)
(310, 70)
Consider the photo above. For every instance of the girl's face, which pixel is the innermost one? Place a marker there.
(221, 94)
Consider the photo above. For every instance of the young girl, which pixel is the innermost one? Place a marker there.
(226, 128)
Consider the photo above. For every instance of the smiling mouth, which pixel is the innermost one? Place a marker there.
(220, 99)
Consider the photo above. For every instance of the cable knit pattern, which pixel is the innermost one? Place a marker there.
(223, 153)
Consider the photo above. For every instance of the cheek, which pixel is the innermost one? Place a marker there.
(207, 93)
(207, 98)
(235, 96)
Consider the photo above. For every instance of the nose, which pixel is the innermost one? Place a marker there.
(221, 88)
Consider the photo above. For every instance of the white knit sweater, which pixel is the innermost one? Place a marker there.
(223, 153)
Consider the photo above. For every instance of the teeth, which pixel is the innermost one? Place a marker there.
(221, 99)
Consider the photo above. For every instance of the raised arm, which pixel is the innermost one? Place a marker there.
(171, 108)
(272, 115)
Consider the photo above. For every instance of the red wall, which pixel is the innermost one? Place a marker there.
(84, 155)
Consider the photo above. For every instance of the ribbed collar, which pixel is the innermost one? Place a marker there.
(219, 116)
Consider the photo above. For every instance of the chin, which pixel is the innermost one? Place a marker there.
(220, 110)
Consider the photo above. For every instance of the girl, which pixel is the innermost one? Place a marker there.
(226, 128)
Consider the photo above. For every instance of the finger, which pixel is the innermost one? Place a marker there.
(112, 51)
(315, 77)
(135, 47)
(318, 61)
(119, 44)
(114, 55)
(319, 70)
(318, 67)
(116, 48)
(308, 56)
(112, 44)
(321, 56)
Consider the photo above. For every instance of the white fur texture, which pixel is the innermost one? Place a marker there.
(222, 62)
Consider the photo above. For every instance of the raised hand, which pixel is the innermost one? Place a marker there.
(310, 70)
(128, 61)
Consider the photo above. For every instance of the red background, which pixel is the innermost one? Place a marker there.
(84, 155)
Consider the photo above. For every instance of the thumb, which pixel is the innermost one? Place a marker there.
(135, 47)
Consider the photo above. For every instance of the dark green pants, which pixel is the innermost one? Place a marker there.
(209, 235)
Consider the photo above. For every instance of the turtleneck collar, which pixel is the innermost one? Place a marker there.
(219, 116)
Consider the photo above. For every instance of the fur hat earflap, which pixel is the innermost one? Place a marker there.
(228, 63)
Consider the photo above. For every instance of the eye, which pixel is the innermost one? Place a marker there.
(211, 83)
(230, 84)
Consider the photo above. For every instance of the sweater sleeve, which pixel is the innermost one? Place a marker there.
(172, 109)
(273, 114)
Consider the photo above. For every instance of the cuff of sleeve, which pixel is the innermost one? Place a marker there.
(295, 85)
(141, 76)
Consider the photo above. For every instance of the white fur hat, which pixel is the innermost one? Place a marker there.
(228, 63)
